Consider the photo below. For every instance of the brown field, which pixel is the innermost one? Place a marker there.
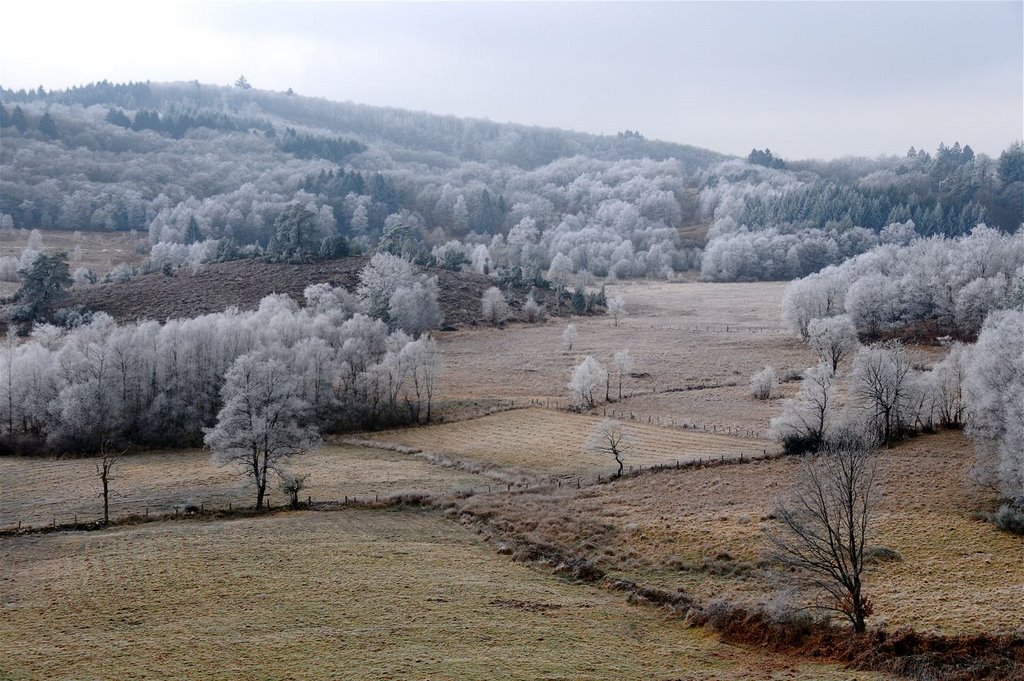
(37, 491)
(551, 442)
(675, 331)
(342, 595)
(703, 530)
(99, 251)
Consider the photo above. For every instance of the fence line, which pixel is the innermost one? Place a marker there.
(655, 419)
(208, 508)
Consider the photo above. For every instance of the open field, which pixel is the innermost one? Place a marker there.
(35, 491)
(703, 530)
(551, 442)
(677, 333)
(344, 595)
(99, 251)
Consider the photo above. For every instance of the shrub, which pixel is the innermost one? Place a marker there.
(762, 384)
(1009, 518)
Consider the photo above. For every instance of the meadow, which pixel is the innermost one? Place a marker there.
(343, 595)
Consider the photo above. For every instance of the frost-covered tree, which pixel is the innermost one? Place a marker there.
(493, 306)
(882, 379)
(609, 438)
(378, 281)
(994, 389)
(763, 384)
(806, 420)
(588, 377)
(832, 339)
(534, 311)
(415, 309)
(569, 336)
(263, 420)
(623, 363)
(616, 308)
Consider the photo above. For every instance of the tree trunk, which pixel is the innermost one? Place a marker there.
(261, 489)
(106, 499)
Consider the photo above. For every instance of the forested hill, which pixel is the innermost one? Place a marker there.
(216, 173)
(459, 139)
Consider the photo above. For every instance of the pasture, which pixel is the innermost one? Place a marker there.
(41, 491)
(704, 530)
(341, 595)
(551, 442)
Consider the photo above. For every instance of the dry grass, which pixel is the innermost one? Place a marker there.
(35, 491)
(703, 530)
(676, 332)
(547, 441)
(347, 595)
(99, 251)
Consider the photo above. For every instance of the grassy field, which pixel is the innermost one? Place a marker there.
(703, 530)
(35, 491)
(551, 442)
(342, 595)
(99, 251)
(680, 334)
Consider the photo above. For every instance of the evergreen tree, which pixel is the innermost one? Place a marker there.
(242, 83)
(118, 118)
(44, 283)
(5, 118)
(48, 126)
(192, 233)
(18, 119)
(296, 233)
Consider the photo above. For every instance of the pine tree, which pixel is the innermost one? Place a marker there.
(192, 233)
(44, 283)
(18, 119)
(48, 126)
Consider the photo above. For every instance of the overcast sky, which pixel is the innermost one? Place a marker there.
(805, 79)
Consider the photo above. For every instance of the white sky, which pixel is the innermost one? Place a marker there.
(805, 79)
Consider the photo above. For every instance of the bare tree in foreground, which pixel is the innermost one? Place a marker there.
(610, 438)
(825, 524)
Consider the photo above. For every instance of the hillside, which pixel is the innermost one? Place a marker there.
(243, 283)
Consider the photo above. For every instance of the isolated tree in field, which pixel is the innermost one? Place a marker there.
(587, 380)
(262, 422)
(292, 485)
(623, 362)
(616, 308)
(44, 284)
(825, 526)
(832, 339)
(569, 336)
(763, 384)
(493, 306)
(882, 379)
(105, 469)
(610, 438)
(805, 420)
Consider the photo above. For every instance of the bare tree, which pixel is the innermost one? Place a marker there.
(825, 526)
(105, 469)
(623, 365)
(610, 438)
(763, 384)
(882, 378)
